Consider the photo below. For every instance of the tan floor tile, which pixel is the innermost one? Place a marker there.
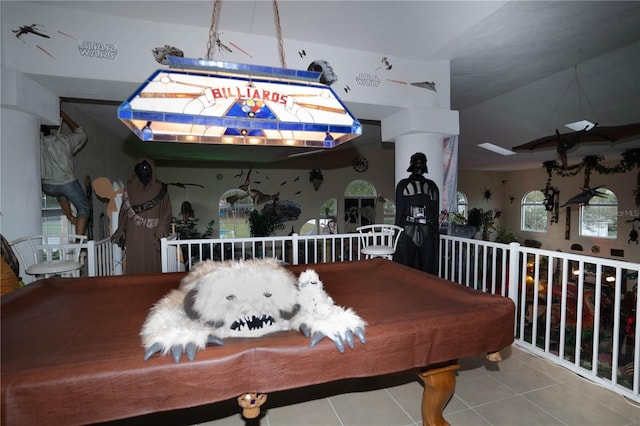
(516, 411)
(573, 408)
(454, 405)
(621, 405)
(312, 413)
(467, 417)
(560, 374)
(409, 396)
(373, 408)
(518, 376)
(475, 387)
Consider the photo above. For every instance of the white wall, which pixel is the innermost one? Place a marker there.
(205, 201)
(128, 60)
(504, 185)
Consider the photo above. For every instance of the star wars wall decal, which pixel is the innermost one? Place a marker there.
(87, 49)
(327, 75)
(373, 80)
(97, 50)
(365, 79)
(160, 53)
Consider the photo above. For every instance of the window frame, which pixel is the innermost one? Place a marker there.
(530, 208)
(594, 204)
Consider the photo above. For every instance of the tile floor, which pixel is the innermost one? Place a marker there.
(520, 390)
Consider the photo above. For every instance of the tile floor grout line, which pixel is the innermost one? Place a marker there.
(399, 405)
(335, 411)
(482, 417)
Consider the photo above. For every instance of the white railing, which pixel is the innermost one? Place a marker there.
(574, 310)
(101, 258)
(580, 312)
(181, 255)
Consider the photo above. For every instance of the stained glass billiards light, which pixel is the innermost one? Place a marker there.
(214, 102)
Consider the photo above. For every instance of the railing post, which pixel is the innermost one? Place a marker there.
(118, 259)
(294, 248)
(164, 259)
(91, 258)
(514, 255)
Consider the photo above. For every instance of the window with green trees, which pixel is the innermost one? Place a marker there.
(234, 214)
(533, 213)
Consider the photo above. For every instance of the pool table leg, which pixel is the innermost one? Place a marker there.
(439, 384)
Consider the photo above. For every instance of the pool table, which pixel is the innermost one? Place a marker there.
(72, 354)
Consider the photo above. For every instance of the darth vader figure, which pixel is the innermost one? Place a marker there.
(417, 211)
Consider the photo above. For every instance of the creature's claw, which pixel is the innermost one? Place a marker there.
(191, 350)
(304, 328)
(213, 340)
(339, 343)
(153, 349)
(317, 336)
(360, 333)
(348, 337)
(177, 352)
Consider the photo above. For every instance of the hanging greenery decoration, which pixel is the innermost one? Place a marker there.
(591, 163)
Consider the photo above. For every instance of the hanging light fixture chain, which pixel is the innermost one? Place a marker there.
(212, 30)
(280, 42)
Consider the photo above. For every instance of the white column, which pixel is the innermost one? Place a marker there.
(420, 130)
(25, 105)
(20, 201)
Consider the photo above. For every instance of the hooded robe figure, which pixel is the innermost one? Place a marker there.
(144, 218)
(417, 211)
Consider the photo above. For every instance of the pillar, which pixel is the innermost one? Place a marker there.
(25, 105)
(423, 130)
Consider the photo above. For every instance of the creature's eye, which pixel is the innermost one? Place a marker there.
(267, 294)
(231, 297)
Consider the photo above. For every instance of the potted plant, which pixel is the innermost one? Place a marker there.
(264, 223)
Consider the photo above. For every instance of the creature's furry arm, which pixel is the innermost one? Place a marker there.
(320, 317)
(169, 329)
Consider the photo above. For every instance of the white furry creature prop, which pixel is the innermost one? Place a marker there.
(251, 298)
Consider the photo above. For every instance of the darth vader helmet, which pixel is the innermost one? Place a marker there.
(418, 164)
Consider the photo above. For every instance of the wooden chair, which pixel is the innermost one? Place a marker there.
(379, 240)
(52, 254)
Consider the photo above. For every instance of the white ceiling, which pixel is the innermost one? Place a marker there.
(515, 66)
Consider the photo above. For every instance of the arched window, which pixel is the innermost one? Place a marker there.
(533, 213)
(234, 208)
(463, 205)
(599, 218)
(325, 222)
(359, 204)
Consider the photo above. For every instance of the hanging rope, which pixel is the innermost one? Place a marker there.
(280, 42)
(213, 35)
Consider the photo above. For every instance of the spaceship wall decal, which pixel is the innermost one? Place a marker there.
(29, 29)
(563, 142)
(585, 196)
